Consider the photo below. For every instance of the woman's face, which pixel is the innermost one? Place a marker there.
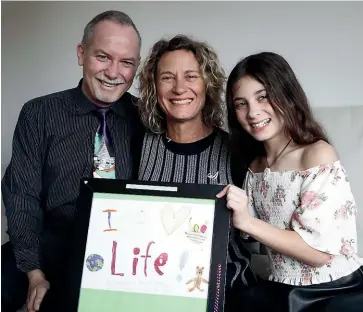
(181, 89)
(254, 111)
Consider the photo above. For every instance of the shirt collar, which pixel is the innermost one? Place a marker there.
(85, 106)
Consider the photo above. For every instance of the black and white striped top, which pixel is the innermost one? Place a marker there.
(207, 161)
(203, 162)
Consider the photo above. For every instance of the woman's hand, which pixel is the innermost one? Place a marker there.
(237, 201)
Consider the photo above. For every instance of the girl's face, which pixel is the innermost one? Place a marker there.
(254, 111)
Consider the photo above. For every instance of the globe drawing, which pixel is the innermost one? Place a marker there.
(94, 262)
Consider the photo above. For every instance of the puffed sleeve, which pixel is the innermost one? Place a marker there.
(326, 214)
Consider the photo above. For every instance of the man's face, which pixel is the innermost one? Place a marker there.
(110, 60)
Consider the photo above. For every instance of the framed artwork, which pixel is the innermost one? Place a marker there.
(146, 246)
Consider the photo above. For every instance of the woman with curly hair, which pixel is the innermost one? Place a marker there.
(181, 87)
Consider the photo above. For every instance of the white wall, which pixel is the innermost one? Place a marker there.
(323, 41)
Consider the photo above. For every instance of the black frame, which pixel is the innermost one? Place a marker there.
(218, 268)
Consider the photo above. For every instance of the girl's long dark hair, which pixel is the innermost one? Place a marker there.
(286, 96)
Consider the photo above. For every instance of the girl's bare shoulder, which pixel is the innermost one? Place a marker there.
(318, 153)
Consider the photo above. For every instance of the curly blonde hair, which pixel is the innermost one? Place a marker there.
(213, 74)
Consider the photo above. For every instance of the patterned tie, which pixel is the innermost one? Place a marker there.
(103, 129)
(104, 161)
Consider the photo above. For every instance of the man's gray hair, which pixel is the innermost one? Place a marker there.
(114, 16)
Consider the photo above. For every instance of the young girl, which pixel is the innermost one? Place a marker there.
(297, 199)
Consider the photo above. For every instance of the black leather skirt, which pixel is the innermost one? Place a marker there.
(342, 295)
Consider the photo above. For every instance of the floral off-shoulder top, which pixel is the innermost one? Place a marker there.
(318, 204)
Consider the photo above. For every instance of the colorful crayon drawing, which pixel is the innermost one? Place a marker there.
(173, 218)
(197, 281)
(109, 211)
(182, 262)
(94, 262)
(197, 233)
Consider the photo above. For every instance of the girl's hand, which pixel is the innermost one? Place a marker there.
(237, 201)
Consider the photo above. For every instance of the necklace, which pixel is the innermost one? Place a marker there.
(267, 170)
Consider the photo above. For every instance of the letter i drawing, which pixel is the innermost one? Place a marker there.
(109, 211)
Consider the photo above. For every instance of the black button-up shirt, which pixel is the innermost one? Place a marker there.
(53, 149)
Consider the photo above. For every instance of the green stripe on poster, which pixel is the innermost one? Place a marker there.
(95, 300)
(154, 198)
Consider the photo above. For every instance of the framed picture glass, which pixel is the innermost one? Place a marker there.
(142, 246)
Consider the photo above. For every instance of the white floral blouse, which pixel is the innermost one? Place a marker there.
(318, 204)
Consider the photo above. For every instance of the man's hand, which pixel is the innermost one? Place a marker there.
(38, 287)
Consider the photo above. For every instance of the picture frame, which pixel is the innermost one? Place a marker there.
(148, 246)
